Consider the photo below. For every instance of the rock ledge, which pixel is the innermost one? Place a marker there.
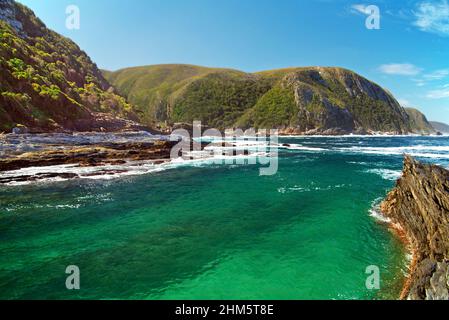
(419, 205)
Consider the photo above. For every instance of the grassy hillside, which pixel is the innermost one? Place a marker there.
(181, 93)
(47, 81)
(419, 121)
(304, 99)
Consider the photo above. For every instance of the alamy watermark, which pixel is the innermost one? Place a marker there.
(72, 282)
(235, 146)
(373, 280)
(372, 21)
(73, 19)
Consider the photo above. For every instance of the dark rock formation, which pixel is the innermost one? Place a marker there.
(419, 205)
(95, 155)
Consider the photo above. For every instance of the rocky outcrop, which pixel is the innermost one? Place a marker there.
(95, 155)
(419, 206)
(29, 157)
(8, 13)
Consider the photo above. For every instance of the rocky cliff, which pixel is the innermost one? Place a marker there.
(47, 82)
(419, 205)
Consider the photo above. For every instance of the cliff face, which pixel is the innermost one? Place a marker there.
(47, 82)
(339, 100)
(296, 100)
(419, 121)
(419, 204)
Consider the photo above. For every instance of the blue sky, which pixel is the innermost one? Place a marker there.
(408, 55)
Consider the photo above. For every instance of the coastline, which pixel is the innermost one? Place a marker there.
(399, 232)
(416, 211)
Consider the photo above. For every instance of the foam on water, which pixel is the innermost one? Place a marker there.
(131, 168)
(386, 174)
(225, 149)
(376, 213)
(310, 188)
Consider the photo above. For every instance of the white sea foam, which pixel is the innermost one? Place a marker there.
(386, 174)
(300, 147)
(376, 213)
(131, 168)
(301, 189)
(95, 173)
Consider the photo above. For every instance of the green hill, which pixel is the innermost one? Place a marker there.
(47, 82)
(302, 100)
(419, 121)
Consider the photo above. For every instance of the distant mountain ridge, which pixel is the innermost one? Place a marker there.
(47, 82)
(439, 126)
(308, 100)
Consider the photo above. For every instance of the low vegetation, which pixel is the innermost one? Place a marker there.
(47, 81)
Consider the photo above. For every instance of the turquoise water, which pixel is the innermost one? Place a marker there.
(215, 231)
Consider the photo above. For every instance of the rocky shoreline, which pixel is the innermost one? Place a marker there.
(100, 155)
(61, 156)
(418, 208)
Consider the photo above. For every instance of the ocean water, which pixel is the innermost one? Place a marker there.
(209, 231)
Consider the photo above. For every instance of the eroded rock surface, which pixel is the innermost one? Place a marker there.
(420, 205)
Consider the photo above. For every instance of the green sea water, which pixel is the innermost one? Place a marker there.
(214, 231)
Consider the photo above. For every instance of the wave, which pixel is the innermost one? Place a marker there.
(418, 151)
(376, 213)
(78, 202)
(399, 149)
(301, 189)
(386, 174)
(378, 135)
(292, 146)
(61, 173)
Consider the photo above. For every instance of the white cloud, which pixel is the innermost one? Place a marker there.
(359, 8)
(440, 93)
(433, 17)
(419, 82)
(364, 9)
(403, 69)
(437, 75)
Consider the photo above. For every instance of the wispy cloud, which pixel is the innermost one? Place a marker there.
(402, 69)
(430, 77)
(441, 93)
(359, 8)
(433, 17)
(419, 82)
(436, 75)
